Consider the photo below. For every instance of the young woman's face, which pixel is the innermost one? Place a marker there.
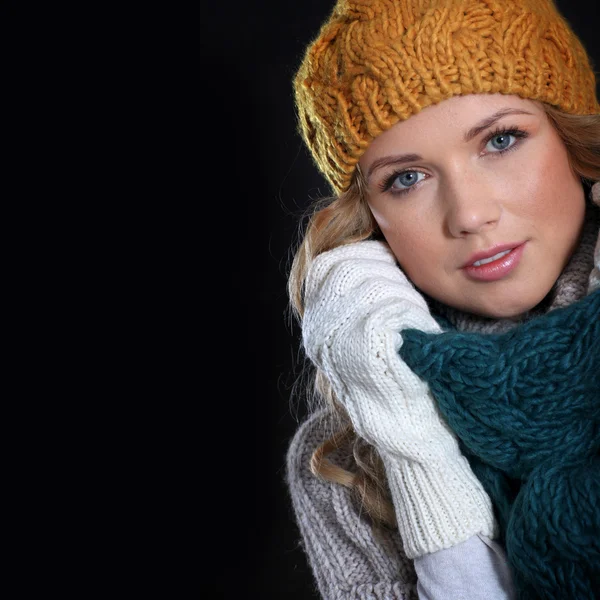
(478, 202)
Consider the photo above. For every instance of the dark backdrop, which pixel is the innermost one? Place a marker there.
(258, 178)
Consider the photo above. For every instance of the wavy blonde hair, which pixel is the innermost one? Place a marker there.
(343, 219)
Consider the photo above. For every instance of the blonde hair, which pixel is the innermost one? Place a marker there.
(346, 218)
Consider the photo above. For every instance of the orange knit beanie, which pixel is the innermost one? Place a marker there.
(377, 62)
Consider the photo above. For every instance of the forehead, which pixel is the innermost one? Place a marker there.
(470, 107)
(453, 116)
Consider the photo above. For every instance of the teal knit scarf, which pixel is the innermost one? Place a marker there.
(525, 405)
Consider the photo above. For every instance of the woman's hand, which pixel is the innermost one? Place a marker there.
(357, 301)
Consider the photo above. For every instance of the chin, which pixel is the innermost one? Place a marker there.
(499, 309)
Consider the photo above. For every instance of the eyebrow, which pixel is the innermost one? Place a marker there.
(386, 161)
(489, 121)
(392, 160)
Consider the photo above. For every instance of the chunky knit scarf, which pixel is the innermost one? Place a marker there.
(525, 403)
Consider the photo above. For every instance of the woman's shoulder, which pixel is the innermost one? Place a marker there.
(348, 557)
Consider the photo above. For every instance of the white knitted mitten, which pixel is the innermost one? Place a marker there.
(595, 275)
(357, 301)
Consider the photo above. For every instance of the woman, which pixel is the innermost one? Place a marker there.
(447, 295)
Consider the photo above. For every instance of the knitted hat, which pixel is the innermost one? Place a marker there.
(377, 62)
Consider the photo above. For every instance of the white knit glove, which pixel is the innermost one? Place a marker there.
(595, 275)
(357, 301)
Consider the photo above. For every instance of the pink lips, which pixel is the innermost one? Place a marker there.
(496, 269)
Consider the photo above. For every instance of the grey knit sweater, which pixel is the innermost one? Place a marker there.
(350, 559)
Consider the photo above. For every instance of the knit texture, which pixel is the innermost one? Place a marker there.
(356, 299)
(347, 557)
(377, 62)
(526, 406)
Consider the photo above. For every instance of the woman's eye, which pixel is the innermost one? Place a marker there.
(501, 141)
(407, 179)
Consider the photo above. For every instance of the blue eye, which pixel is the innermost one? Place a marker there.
(406, 180)
(504, 139)
(501, 141)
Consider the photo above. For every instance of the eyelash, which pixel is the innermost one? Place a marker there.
(517, 133)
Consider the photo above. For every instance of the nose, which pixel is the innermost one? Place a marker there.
(471, 207)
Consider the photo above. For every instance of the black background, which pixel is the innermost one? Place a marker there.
(260, 178)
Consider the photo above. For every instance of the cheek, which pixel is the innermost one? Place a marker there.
(413, 239)
(548, 192)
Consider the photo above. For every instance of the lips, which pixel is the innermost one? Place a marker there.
(485, 255)
(495, 263)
